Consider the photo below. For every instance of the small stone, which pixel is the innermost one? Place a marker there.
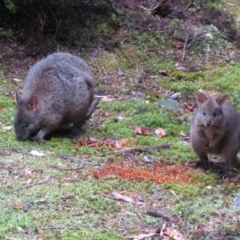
(236, 201)
(148, 159)
(7, 128)
(175, 96)
(37, 153)
(95, 54)
(170, 105)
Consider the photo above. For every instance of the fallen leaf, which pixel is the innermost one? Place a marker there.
(142, 130)
(164, 72)
(182, 134)
(142, 236)
(27, 171)
(177, 44)
(120, 118)
(106, 114)
(83, 156)
(173, 234)
(18, 206)
(93, 139)
(107, 98)
(189, 106)
(131, 52)
(160, 132)
(121, 143)
(108, 142)
(137, 197)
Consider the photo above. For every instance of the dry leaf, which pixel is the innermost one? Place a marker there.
(182, 134)
(160, 132)
(177, 44)
(18, 206)
(27, 171)
(93, 139)
(142, 130)
(142, 236)
(108, 142)
(173, 234)
(107, 98)
(189, 106)
(120, 117)
(121, 143)
(131, 52)
(164, 72)
(137, 197)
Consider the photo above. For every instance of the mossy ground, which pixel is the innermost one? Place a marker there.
(60, 195)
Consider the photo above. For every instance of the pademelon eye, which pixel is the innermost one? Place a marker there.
(214, 114)
(26, 125)
(204, 113)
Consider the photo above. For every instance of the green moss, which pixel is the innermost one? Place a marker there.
(93, 234)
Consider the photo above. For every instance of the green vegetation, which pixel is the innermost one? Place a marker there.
(57, 191)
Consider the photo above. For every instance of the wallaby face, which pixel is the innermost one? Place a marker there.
(215, 129)
(209, 109)
(26, 121)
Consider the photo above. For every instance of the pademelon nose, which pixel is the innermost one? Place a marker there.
(208, 123)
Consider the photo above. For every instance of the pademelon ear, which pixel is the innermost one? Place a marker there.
(221, 99)
(201, 98)
(33, 102)
(18, 97)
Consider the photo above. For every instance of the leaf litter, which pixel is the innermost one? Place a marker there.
(156, 172)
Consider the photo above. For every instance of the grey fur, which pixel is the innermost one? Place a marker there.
(58, 90)
(216, 129)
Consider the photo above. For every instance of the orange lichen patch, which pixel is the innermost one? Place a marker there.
(159, 174)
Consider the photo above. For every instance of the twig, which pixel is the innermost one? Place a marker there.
(39, 183)
(184, 47)
(189, 5)
(123, 198)
(156, 213)
(58, 228)
(34, 184)
(155, 7)
(68, 169)
(226, 58)
(144, 149)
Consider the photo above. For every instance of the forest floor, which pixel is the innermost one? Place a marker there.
(131, 174)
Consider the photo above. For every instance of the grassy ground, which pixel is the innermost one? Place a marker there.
(65, 190)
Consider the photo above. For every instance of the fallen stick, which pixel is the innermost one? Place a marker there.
(156, 213)
(123, 198)
(34, 184)
(58, 228)
(143, 149)
(68, 169)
